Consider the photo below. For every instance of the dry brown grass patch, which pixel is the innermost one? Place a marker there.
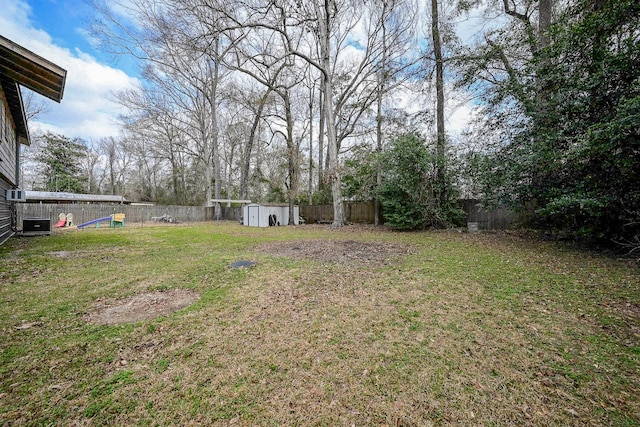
(338, 251)
(141, 307)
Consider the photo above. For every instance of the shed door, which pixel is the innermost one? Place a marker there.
(254, 216)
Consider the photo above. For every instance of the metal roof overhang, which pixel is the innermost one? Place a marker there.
(50, 196)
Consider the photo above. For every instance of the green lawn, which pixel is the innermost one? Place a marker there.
(402, 329)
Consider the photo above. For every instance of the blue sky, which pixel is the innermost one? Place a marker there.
(63, 20)
(57, 31)
(67, 22)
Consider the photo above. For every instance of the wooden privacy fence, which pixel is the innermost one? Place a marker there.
(134, 213)
(355, 212)
(363, 212)
(495, 219)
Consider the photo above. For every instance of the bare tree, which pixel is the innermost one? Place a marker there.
(154, 32)
(117, 163)
(352, 50)
(287, 24)
(34, 105)
(92, 168)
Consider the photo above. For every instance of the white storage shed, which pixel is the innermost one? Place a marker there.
(269, 215)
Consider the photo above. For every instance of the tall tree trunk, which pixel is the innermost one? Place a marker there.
(321, 127)
(244, 173)
(206, 125)
(380, 95)
(175, 173)
(376, 202)
(334, 166)
(441, 191)
(545, 9)
(214, 126)
(112, 160)
(310, 184)
(539, 108)
(292, 161)
(332, 139)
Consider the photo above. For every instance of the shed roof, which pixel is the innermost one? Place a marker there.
(272, 205)
(20, 66)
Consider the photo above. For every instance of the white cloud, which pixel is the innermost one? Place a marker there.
(86, 110)
(460, 118)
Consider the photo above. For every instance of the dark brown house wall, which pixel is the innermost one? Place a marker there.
(5, 213)
(8, 143)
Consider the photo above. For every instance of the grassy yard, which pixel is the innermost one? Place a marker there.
(401, 329)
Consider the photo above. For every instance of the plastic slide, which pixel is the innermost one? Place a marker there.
(95, 221)
(62, 220)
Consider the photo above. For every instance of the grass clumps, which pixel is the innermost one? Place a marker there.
(356, 326)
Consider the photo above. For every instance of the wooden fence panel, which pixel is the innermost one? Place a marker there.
(316, 213)
(360, 213)
(497, 219)
(355, 212)
(134, 213)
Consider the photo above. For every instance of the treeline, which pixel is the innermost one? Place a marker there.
(315, 102)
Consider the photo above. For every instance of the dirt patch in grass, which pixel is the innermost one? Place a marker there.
(349, 327)
(140, 307)
(338, 251)
(74, 254)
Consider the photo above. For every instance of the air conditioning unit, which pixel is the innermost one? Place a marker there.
(16, 195)
(36, 226)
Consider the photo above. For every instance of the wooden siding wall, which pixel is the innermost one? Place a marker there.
(7, 143)
(5, 212)
(7, 167)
